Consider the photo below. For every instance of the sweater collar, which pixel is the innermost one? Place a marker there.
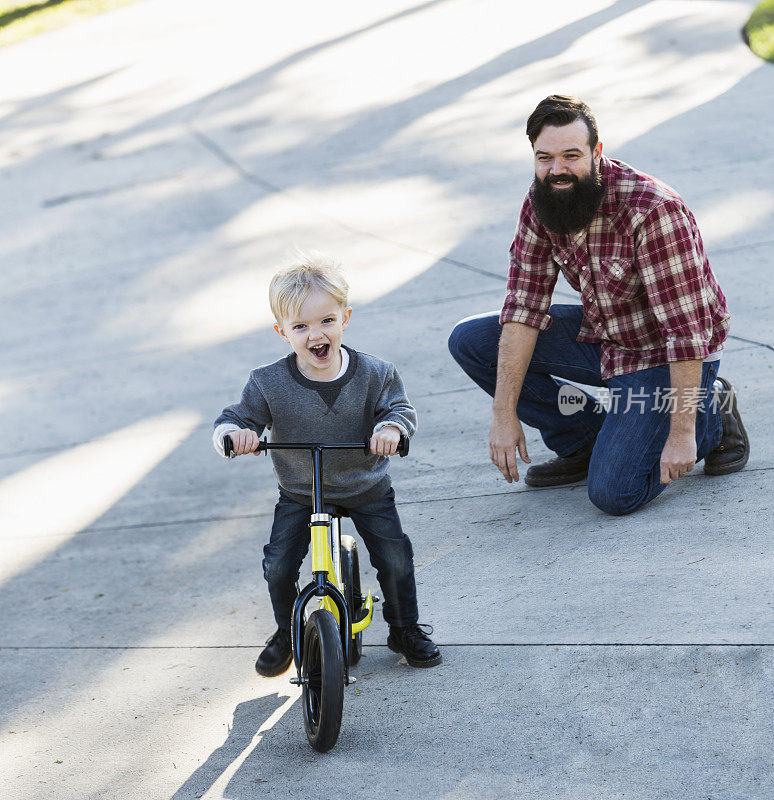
(299, 377)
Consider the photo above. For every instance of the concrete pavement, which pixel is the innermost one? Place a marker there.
(158, 163)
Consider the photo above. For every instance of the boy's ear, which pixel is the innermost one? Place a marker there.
(280, 331)
(345, 317)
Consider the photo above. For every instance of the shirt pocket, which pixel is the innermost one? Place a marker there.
(620, 278)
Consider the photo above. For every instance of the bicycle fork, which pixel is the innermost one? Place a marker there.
(322, 566)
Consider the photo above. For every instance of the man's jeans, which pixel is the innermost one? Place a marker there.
(389, 549)
(624, 473)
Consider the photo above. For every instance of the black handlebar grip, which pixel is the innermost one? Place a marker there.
(228, 446)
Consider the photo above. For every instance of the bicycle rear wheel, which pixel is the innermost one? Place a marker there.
(350, 577)
(322, 668)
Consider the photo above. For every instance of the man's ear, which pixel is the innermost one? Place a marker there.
(280, 331)
(597, 153)
(345, 317)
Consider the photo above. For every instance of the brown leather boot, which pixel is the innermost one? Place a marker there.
(562, 469)
(734, 449)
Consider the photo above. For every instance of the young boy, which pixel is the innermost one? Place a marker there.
(325, 391)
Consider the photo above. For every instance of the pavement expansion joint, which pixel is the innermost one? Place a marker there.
(392, 309)
(738, 247)
(257, 515)
(751, 341)
(164, 523)
(91, 194)
(471, 645)
(448, 391)
(226, 158)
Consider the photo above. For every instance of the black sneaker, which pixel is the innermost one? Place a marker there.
(277, 656)
(734, 449)
(562, 469)
(414, 644)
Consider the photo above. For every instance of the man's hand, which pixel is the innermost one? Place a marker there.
(385, 441)
(505, 437)
(678, 457)
(244, 441)
(517, 342)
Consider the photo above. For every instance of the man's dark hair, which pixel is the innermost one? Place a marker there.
(559, 110)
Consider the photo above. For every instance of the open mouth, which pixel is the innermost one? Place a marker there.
(565, 182)
(320, 351)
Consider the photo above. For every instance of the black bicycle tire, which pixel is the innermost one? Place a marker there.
(322, 668)
(350, 577)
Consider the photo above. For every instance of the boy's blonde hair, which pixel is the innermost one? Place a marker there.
(291, 286)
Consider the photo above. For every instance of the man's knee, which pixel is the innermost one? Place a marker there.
(473, 340)
(608, 495)
(459, 342)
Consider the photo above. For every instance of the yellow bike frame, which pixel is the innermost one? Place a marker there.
(322, 561)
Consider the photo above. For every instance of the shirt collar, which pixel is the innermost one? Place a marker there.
(609, 204)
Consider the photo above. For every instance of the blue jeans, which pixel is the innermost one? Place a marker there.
(624, 473)
(388, 546)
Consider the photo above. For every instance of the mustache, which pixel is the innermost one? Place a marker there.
(561, 179)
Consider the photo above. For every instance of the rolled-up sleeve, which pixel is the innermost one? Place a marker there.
(532, 275)
(674, 272)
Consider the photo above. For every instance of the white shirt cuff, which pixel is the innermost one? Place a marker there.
(385, 423)
(219, 433)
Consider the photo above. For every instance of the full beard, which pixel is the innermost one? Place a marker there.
(564, 211)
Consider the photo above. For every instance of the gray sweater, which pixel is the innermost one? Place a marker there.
(295, 409)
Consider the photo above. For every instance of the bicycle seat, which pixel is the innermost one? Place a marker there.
(339, 511)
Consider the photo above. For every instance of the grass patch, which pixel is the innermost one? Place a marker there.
(759, 30)
(20, 19)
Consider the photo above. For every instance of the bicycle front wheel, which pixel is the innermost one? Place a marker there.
(322, 668)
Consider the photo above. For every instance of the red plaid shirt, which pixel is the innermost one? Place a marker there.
(648, 293)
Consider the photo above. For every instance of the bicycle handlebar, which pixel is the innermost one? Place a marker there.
(264, 445)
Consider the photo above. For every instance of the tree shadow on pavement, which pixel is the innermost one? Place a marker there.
(25, 11)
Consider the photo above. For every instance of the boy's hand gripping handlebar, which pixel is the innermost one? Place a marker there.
(264, 445)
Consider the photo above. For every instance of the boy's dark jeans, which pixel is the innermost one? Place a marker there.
(389, 549)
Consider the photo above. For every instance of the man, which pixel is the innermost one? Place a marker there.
(651, 328)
